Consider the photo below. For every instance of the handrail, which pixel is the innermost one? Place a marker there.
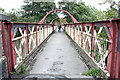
(105, 52)
(29, 37)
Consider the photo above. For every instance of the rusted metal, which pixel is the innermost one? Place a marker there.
(27, 39)
(92, 39)
(111, 53)
(18, 40)
(89, 40)
(4, 41)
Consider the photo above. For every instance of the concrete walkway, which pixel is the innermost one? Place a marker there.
(59, 57)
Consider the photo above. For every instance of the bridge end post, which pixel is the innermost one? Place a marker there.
(114, 65)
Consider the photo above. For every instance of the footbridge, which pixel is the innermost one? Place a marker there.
(44, 52)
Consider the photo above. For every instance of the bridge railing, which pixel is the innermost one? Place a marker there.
(20, 39)
(94, 44)
(97, 40)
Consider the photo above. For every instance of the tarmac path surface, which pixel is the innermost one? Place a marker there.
(59, 56)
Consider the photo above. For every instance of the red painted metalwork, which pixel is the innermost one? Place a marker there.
(53, 27)
(73, 19)
(43, 32)
(114, 72)
(36, 35)
(113, 65)
(54, 20)
(4, 39)
(27, 40)
(92, 39)
(70, 29)
(9, 39)
(82, 25)
(47, 29)
(10, 46)
(74, 31)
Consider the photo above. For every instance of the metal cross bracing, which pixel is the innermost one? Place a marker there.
(20, 39)
(101, 41)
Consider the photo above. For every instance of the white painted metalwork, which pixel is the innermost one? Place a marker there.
(83, 39)
(20, 42)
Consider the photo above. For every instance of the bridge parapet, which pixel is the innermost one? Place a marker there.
(100, 40)
(20, 39)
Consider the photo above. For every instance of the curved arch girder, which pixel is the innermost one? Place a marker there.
(73, 19)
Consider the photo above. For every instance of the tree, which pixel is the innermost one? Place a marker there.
(1, 10)
(35, 11)
(114, 8)
(80, 11)
(13, 15)
(110, 14)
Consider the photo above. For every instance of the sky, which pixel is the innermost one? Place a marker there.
(9, 4)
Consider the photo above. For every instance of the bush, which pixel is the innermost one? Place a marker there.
(93, 72)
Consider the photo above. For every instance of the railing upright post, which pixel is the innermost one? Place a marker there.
(118, 52)
(78, 36)
(53, 27)
(36, 35)
(64, 27)
(114, 33)
(43, 33)
(70, 31)
(11, 55)
(82, 25)
(92, 40)
(27, 40)
(74, 31)
(5, 47)
(47, 29)
(12, 45)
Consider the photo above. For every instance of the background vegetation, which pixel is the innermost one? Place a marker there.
(35, 11)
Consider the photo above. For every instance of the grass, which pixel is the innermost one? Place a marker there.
(22, 71)
(93, 72)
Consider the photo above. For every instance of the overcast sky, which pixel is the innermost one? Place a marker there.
(9, 4)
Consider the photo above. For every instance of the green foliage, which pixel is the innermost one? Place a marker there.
(110, 13)
(2, 10)
(107, 1)
(18, 34)
(13, 72)
(103, 35)
(35, 11)
(23, 69)
(103, 42)
(114, 11)
(13, 17)
(66, 33)
(93, 72)
(80, 11)
(97, 57)
(96, 54)
(93, 50)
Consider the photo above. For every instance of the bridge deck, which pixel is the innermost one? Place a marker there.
(59, 56)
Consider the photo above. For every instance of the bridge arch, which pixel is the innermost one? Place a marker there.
(53, 20)
(73, 19)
